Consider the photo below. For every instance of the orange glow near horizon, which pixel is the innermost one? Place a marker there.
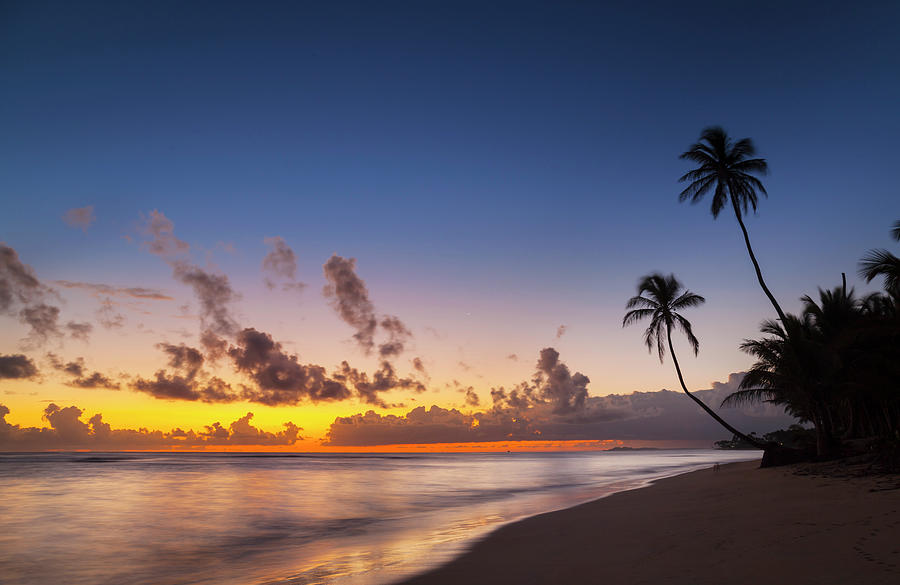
(302, 447)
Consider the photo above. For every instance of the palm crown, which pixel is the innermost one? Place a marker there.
(725, 168)
(660, 298)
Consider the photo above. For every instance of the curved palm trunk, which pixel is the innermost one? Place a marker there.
(759, 276)
(703, 405)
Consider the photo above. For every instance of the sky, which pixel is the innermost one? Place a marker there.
(308, 211)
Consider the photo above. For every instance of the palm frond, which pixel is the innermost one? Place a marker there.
(685, 327)
(687, 299)
(636, 315)
(641, 301)
(748, 396)
(881, 263)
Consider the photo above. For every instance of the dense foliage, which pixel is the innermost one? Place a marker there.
(836, 365)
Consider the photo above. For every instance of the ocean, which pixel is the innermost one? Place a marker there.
(304, 519)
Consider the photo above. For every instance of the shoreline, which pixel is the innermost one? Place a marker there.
(740, 524)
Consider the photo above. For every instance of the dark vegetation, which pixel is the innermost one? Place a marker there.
(835, 366)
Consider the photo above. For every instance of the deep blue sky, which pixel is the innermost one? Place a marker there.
(494, 154)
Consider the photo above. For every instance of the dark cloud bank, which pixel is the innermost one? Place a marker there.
(555, 405)
(67, 431)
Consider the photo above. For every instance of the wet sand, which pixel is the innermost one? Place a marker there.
(737, 525)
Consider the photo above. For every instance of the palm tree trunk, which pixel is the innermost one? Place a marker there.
(759, 275)
(702, 404)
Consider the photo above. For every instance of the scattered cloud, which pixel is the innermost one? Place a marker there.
(43, 320)
(350, 298)
(471, 397)
(280, 264)
(279, 377)
(214, 293)
(107, 315)
(162, 240)
(80, 217)
(68, 431)
(17, 366)
(167, 386)
(398, 334)
(560, 331)
(384, 379)
(79, 375)
(19, 287)
(212, 290)
(187, 381)
(108, 290)
(80, 331)
(513, 357)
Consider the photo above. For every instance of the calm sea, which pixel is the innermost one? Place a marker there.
(159, 519)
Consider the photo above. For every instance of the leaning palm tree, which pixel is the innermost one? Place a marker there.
(660, 298)
(882, 263)
(727, 169)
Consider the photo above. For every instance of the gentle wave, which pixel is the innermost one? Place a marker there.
(285, 519)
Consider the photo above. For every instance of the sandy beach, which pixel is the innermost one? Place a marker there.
(737, 525)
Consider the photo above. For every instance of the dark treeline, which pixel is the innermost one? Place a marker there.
(836, 365)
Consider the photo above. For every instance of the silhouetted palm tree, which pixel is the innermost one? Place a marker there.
(727, 170)
(660, 298)
(882, 263)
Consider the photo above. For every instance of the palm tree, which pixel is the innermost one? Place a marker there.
(660, 298)
(727, 169)
(792, 370)
(882, 263)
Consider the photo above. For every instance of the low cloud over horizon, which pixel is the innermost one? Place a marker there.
(532, 412)
(67, 431)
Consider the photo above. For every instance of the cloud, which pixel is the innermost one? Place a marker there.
(162, 233)
(213, 291)
(566, 391)
(107, 316)
(419, 366)
(555, 406)
(560, 331)
(513, 357)
(80, 331)
(108, 290)
(20, 287)
(183, 358)
(279, 377)
(17, 366)
(68, 431)
(384, 379)
(471, 397)
(80, 377)
(398, 334)
(168, 386)
(17, 280)
(350, 298)
(80, 217)
(280, 264)
(43, 320)
(187, 381)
